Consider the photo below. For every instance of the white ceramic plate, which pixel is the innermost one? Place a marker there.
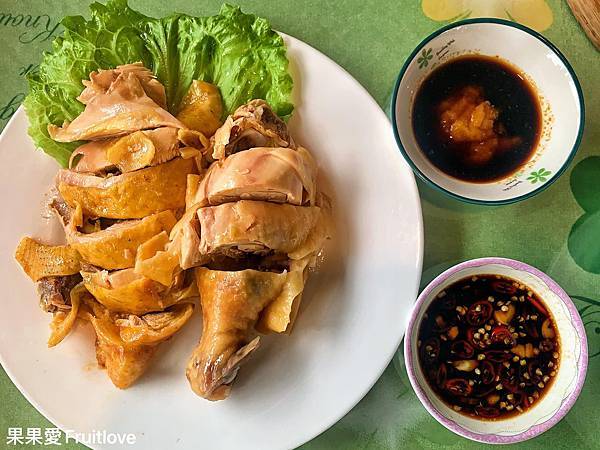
(352, 320)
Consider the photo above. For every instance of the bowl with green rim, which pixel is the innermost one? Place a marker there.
(548, 72)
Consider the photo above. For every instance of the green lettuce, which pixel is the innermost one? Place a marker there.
(238, 52)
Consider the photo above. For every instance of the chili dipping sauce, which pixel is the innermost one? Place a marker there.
(488, 347)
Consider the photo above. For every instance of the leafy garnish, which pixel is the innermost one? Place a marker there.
(238, 52)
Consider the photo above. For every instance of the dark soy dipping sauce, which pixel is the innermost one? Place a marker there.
(516, 129)
(488, 347)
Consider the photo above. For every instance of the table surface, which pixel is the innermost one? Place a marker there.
(371, 39)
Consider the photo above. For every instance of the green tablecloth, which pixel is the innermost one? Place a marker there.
(371, 39)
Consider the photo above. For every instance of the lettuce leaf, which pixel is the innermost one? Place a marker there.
(238, 52)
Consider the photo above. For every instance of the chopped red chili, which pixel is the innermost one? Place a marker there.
(498, 356)
(476, 338)
(430, 350)
(535, 372)
(502, 336)
(441, 375)
(531, 329)
(504, 287)
(459, 386)
(509, 378)
(520, 399)
(537, 305)
(488, 372)
(479, 313)
(483, 392)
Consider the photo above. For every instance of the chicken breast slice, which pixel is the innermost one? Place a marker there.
(280, 175)
(247, 226)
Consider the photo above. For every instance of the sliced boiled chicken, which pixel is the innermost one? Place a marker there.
(91, 157)
(247, 226)
(185, 239)
(251, 125)
(279, 175)
(131, 195)
(126, 291)
(144, 148)
(231, 304)
(126, 343)
(116, 246)
(123, 108)
(157, 260)
(163, 257)
(100, 82)
(280, 314)
(195, 145)
(40, 260)
(193, 138)
(254, 219)
(63, 321)
(135, 151)
(54, 292)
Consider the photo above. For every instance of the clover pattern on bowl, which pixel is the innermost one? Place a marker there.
(540, 175)
(424, 58)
